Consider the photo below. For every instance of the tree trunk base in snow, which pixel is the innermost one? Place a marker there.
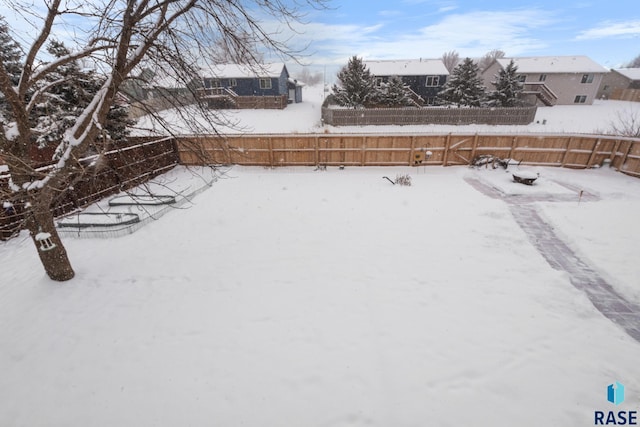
(53, 255)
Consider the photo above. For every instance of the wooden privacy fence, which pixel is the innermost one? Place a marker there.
(429, 115)
(626, 95)
(574, 151)
(115, 171)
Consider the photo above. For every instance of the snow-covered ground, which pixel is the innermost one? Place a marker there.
(306, 118)
(294, 297)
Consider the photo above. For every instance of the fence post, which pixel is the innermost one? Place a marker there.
(412, 152)
(474, 149)
(363, 151)
(566, 152)
(614, 152)
(447, 143)
(514, 144)
(593, 153)
(626, 155)
(270, 145)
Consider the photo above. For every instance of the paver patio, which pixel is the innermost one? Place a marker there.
(561, 257)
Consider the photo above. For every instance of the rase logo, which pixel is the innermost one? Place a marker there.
(615, 395)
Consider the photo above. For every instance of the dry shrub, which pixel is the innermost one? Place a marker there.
(404, 180)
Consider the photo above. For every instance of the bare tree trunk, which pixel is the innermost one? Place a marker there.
(54, 257)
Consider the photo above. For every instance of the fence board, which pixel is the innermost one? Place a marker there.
(575, 151)
(428, 115)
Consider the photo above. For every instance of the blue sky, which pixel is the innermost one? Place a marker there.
(608, 32)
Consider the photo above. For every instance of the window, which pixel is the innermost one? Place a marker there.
(211, 83)
(522, 78)
(543, 77)
(580, 99)
(433, 80)
(587, 78)
(378, 81)
(265, 83)
(233, 83)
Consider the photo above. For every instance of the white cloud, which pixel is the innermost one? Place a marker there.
(612, 30)
(471, 34)
(390, 13)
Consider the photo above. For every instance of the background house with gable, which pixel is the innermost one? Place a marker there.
(550, 80)
(250, 86)
(425, 77)
(622, 84)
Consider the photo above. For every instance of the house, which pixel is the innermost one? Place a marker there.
(157, 90)
(622, 84)
(151, 84)
(551, 80)
(425, 77)
(250, 86)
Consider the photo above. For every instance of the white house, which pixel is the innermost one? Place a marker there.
(550, 80)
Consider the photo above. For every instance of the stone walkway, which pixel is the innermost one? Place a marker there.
(560, 256)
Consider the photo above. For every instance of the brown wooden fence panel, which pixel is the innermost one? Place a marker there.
(574, 151)
(629, 159)
(626, 95)
(428, 115)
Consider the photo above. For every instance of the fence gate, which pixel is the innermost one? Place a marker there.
(460, 150)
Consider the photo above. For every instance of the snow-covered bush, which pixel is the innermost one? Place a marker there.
(404, 180)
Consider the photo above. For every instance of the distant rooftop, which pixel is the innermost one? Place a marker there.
(630, 73)
(554, 64)
(238, 71)
(410, 67)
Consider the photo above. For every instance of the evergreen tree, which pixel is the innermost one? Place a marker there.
(394, 93)
(10, 52)
(357, 87)
(10, 56)
(69, 89)
(635, 63)
(508, 87)
(463, 87)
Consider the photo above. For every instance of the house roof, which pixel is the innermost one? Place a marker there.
(554, 64)
(239, 71)
(411, 67)
(160, 77)
(630, 73)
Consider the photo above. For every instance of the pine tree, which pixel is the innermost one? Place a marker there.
(463, 87)
(395, 93)
(10, 56)
(508, 87)
(635, 63)
(10, 52)
(357, 87)
(70, 91)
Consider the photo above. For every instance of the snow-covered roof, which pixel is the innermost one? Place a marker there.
(159, 77)
(411, 67)
(630, 73)
(239, 71)
(554, 64)
(296, 82)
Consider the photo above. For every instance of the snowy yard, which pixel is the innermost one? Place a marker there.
(294, 297)
(306, 118)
